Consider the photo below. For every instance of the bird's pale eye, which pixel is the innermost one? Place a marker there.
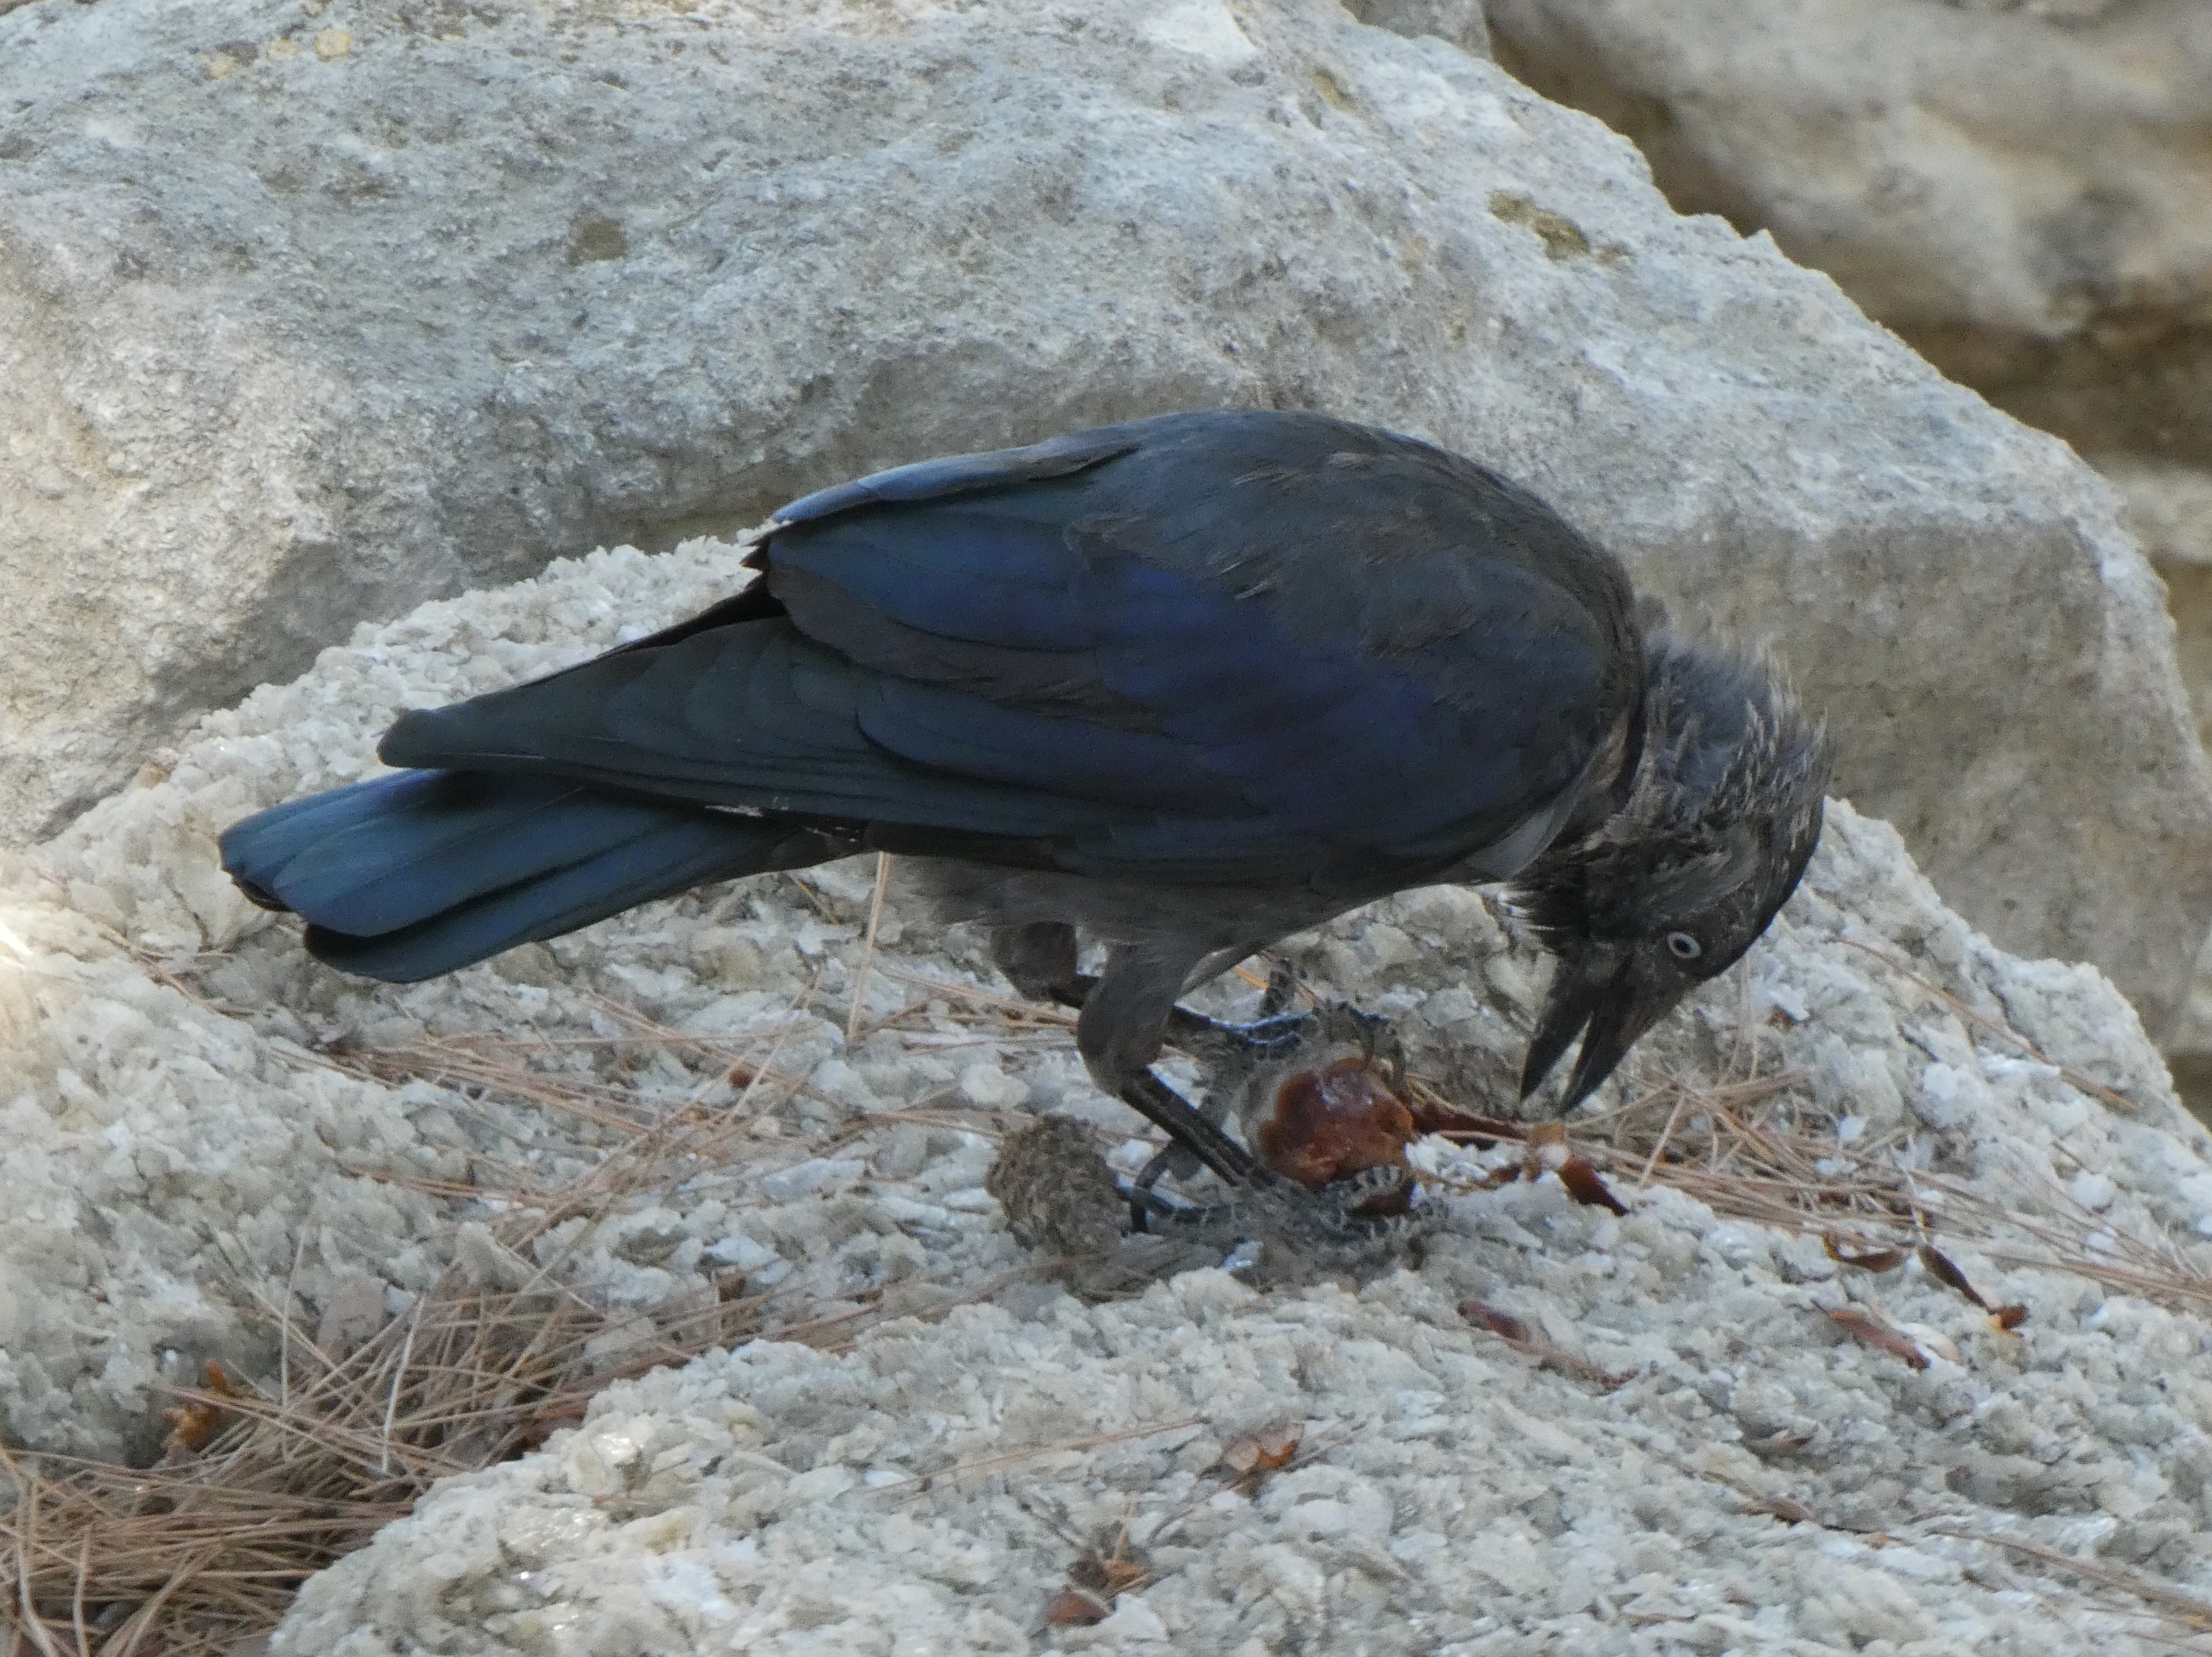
(1683, 947)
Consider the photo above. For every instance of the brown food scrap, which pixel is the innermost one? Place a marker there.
(1433, 1115)
(1097, 1578)
(1867, 1258)
(1548, 1154)
(1547, 1144)
(1072, 1607)
(1586, 1187)
(1853, 1321)
(1331, 1122)
(2008, 1317)
(1108, 1575)
(194, 1424)
(1263, 1452)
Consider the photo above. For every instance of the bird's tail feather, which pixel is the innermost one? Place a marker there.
(408, 875)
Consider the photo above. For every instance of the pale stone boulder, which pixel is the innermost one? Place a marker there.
(2022, 188)
(199, 1119)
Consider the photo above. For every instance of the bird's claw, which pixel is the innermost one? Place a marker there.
(1264, 1038)
(1377, 1037)
(1273, 1036)
(1374, 1195)
(1282, 989)
(1344, 1221)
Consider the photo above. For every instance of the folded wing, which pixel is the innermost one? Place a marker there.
(1144, 651)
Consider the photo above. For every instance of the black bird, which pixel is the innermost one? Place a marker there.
(1185, 685)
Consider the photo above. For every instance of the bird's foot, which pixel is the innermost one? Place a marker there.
(1277, 1030)
(1193, 1136)
(1262, 1038)
(1345, 1222)
(1251, 1068)
(1279, 1034)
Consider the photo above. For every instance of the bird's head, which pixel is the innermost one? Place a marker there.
(1719, 822)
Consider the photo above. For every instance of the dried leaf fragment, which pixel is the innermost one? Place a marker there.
(1265, 1451)
(1099, 1575)
(1853, 1321)
(194, 1424)
(1073, 1607)
(1865, 1257)
(1586, 1187)
(1504, 1325)
(1782, 1508)
(1933, 1342)
(1516, 1332)
(1941, 1267)
(1106, 1575)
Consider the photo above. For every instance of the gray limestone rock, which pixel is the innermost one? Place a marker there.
(308, 311)
(179, 1142)
(2019, 187)
(2169, 507)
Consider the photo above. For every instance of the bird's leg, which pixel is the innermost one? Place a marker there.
(1275, 1030)
(1182, 1121)
(1120, 1032)
(1169, 1158)
(1127, 1013)
(1373, 1034)
(1229, 1052)
(1038, 959)
(1350, 1212)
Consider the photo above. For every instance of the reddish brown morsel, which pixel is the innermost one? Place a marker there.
(1331, 1122)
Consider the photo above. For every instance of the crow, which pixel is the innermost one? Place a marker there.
(1181, 686)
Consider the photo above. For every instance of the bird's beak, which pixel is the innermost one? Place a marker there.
(1602, 997)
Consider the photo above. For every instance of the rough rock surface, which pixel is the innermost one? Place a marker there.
(2170, 509)
(2017, 186)
(177, 1139)
(308, 312)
